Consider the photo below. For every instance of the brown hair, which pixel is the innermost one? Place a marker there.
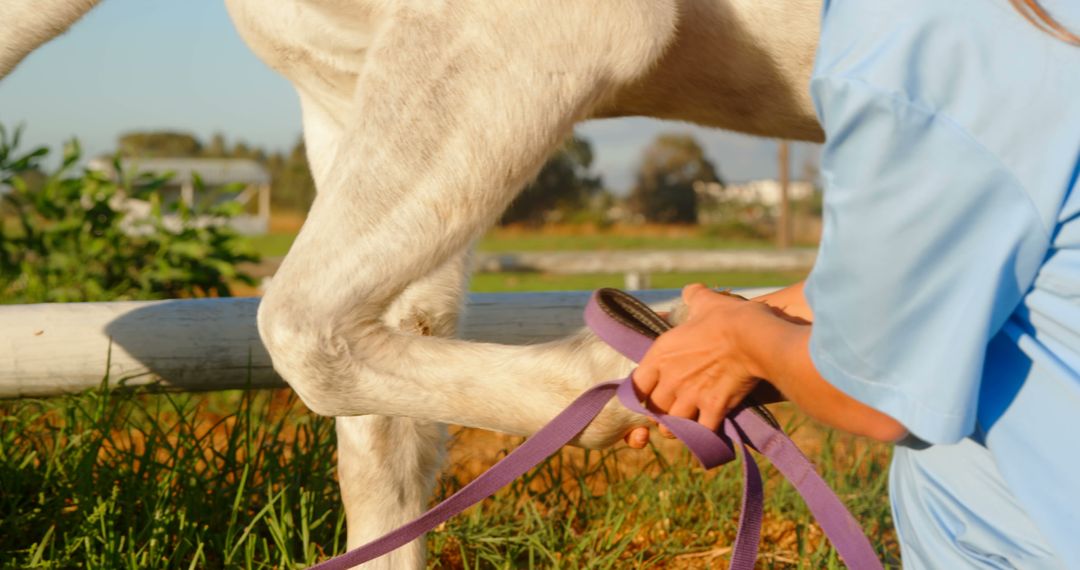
(1037, 15)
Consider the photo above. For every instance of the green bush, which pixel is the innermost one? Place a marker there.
(69, 236)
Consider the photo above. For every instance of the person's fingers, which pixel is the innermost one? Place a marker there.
(684, 408)
(638, 437)
(645, 378)
(661, 399)
(662, 396)
(713, 405)
(711, 417)
(656, 409)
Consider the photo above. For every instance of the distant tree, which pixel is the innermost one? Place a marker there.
(217, 148)
(664, 191)
(565, 184)
(241, 150)
(293, 187)
(158, 144)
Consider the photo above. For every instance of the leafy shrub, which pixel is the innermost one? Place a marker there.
(68, 236)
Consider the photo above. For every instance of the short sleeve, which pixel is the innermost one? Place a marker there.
(928, 245)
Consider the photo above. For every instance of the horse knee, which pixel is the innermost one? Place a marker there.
(314, 356)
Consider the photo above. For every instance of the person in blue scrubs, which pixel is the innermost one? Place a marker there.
(943, 311)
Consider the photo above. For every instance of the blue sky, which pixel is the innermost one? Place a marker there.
(180, 65)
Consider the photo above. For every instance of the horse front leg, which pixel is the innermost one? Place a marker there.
(387, 466)
(456, 108)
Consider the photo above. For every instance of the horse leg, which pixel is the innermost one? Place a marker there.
(387, 466)
(456, 108)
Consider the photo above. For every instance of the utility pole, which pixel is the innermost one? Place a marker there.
(783, 226)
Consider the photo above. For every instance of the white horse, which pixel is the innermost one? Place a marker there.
(422, 121)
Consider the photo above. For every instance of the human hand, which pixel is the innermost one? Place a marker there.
(699, 370)
(706, 366)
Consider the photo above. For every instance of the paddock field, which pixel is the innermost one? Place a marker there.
(555, 237)
(239, 479)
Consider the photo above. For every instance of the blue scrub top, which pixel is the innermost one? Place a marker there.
(947, 288)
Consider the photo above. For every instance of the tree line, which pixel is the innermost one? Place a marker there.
(567, 188)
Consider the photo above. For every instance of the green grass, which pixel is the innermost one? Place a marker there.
(519, 282)
(108, 480)
(271, 245)
(277, 244)
(246, 480)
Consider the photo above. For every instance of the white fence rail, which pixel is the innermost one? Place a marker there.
(213, 344)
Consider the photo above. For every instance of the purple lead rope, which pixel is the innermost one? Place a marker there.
(742, 429)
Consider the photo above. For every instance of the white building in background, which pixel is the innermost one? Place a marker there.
(750, 202)
(214, 174)
(763, 192)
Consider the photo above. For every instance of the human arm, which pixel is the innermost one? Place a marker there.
(928, 246)
(703, 368)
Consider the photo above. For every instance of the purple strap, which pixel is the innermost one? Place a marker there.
(739, 430)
